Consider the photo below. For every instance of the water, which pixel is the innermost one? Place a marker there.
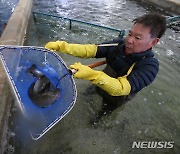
(153, 115)
(6, 9)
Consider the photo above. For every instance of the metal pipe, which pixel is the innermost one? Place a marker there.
(80, 21)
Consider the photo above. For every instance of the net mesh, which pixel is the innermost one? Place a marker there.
(16, 61)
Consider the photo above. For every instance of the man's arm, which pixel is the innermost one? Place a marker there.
(140, 75)
(78, 50)
(103, 51)
(114, 86)
(81, 50)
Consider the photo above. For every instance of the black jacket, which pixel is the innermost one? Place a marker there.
(145, 69)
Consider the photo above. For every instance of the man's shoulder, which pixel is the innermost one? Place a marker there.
(148, 61)
(143, 73)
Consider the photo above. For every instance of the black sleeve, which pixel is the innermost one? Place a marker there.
(102, 52)
(143, 74)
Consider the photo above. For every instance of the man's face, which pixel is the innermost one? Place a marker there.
(139, 39)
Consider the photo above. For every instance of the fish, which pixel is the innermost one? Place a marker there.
(42, 92)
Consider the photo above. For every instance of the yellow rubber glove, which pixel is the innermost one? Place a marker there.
(78, 50)
(113, 86)
(84, 72)
(53, 46)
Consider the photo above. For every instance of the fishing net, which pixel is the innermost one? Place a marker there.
(16, 61)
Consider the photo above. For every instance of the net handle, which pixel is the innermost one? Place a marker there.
(96, 64)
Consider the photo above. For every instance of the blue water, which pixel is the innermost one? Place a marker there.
(153, 115)
(6, 9)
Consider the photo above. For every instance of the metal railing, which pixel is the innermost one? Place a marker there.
(172, 19)
(121, 32)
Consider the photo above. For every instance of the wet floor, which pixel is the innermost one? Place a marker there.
(153, 115)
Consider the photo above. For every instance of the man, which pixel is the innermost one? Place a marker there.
(131, 65)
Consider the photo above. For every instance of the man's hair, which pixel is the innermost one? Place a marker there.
(156, 22)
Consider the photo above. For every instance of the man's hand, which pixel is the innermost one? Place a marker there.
(53, 46)
(84, 72)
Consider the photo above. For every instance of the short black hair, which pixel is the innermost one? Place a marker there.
(156, 22)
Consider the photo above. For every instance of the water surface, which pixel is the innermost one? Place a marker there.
(6, 9)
